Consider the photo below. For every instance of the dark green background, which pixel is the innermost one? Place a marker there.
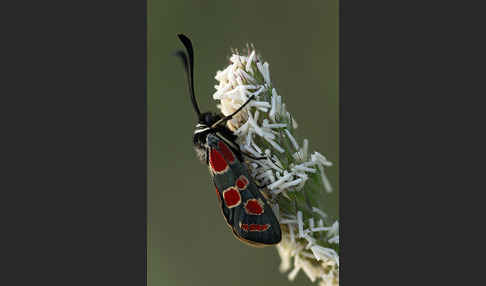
(188, 240)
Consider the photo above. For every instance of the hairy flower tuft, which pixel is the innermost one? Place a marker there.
(294, 177)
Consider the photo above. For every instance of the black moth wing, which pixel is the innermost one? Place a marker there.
(237, 217)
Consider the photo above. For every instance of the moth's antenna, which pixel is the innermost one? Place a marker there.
(189, 66)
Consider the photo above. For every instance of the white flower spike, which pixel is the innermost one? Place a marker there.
(293, 177)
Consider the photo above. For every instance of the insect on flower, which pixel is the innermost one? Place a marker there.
(242, 202)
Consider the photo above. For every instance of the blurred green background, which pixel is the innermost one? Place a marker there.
(188, 240)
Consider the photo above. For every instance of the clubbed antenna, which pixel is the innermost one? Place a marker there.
(189, 66)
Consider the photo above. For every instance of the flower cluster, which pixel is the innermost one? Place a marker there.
(294, 176)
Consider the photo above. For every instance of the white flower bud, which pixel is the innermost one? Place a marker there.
(266, 124)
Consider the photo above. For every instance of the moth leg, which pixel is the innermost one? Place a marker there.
(253, 157)
(259, 158)
(249, 155)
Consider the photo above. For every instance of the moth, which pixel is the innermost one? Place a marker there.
(242, 201)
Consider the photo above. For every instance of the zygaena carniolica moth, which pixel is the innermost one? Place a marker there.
(244, 207)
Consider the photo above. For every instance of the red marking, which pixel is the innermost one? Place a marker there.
(232, 197)
(228, 155)
(263, 227)
(242, 182)
(255, 227)
(217, 162)
(254, 207)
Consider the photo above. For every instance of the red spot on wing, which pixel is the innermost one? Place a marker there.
(228, 155)
(232, 197)
(254, 207)
(244, 227)
(255, 227)
(242, 182)
(263, 227)
(217, 162)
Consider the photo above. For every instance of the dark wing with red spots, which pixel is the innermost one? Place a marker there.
(244, 207)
